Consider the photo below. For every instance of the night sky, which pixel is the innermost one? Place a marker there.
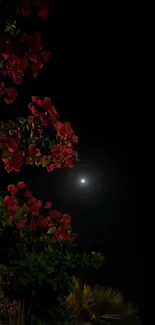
(94, 80)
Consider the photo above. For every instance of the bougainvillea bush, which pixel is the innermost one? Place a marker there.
(38, 255)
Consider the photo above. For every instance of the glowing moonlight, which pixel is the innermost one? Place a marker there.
(83, 180)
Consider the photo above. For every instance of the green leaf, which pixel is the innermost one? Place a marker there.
(21, 120)
(44, 163)
(51, 230)
(37, 162)
(19, 211)
(29, 160)
(2, 203)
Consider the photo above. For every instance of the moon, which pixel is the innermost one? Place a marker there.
(82, 180)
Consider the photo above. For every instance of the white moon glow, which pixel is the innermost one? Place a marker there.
(83, 180)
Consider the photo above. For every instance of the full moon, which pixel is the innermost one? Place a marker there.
(82, 180)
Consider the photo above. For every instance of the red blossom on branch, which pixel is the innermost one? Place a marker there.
(51, 150)
(21, 185)
(66, 220)
(20, 55)
(48, 205)
(15, 68)
(12, 189)
(9, 93)
(26, 8)
(30, 213)
(43, 8)
(62, 234)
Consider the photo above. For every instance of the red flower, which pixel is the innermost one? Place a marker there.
(55, 215)
(17, 160)
(34, 111)
(39, 203)
(15, 302)
(21, 185)
(9, 200)
(12, 189)
(16, 68)
(21, 224)
(75, 139)
(48, 205)
(19, 135)
(59, 126)
(31, 118)
(35, 68)
(58, 165)
(61, 234)
(47, 105)
(14, 306)
(32, 201)
(65, 131)
(42, 223)
(11, 95)
(69, 163)
(32, 57)
(74, 236)
(50, 168)
(11, 209)
(12, 145)
(46, 55)
(36, 100)
(27, 194)
(33, 151)
(7, 164)
(25, 6)
(13, 162)
(66, 220)
(51, 224)
(32, 207)
(43, 8)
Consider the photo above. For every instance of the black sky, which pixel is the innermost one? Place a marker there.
(95, 80)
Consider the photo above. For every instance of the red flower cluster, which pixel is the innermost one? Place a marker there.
(9, 93)
(34, 214)
(15, 66)
(26, 7)
(39, 148)
(14, 161)
(49, 115)
(61, 153)
(35, 54)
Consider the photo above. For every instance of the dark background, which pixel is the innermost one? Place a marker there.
(95, 79)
